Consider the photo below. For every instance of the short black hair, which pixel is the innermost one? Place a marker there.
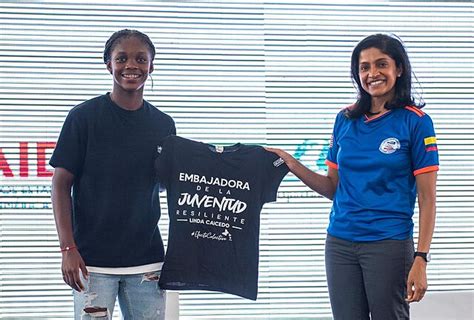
(123, 34)
(392, 46)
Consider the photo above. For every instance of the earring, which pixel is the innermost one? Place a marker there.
(151, 78)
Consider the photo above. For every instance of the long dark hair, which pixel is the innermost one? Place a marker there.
(393, 47)
(126, 33)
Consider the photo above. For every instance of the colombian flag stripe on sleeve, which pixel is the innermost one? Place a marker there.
(430, 144)
(430, 140)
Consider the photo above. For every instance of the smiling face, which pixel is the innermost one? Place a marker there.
(378, 74)
(130, 64)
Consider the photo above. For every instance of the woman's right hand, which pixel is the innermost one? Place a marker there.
(324, 185)
(288, 158)
(72, 265)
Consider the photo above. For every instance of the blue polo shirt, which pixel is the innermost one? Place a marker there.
(377, 160)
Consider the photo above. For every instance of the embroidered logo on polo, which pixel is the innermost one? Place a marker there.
(389, 145)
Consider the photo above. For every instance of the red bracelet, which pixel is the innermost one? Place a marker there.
(68, 248)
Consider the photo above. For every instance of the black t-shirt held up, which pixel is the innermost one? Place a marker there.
(215, 196)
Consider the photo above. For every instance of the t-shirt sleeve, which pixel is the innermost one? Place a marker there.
(172, 128)
(331, 159)
(70, 149)
(163, 160)
(275, 170)
(424, 150)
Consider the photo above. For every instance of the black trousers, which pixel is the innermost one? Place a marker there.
(367, 280)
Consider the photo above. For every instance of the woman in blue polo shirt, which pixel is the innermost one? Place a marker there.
(382, 155)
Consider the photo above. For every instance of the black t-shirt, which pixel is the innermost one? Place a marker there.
(111, 152)
(214, 203)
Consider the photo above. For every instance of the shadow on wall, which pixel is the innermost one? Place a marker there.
(444, 306)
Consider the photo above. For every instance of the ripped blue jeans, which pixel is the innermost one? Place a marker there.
(139, 297)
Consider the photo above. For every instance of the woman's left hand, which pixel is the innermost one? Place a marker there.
(417, 282)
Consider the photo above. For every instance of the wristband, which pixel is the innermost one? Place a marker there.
(67, 248)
